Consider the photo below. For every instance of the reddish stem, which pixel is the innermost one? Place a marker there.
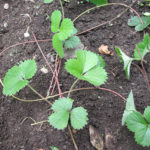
(22, 43)
(109, 90)
(53, 76)
(55, 81)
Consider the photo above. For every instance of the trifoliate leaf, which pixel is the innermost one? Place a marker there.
(72, 42)
(135, 21)
(54, 148)
(130, 107)
(99, 2)
(62, 104)
(147, 114)
(126, 59)
(57, 45)
(48, 1)
(66, 29)
(78, 118)
(144, 48)
(16, 77)
(55, 21)
(88, 66)
(59, 120)
(135, 121)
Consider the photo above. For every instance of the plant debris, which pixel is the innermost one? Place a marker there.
(103, 49)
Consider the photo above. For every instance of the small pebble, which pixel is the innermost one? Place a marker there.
(44, 70)
(26, 34)
(6, 6)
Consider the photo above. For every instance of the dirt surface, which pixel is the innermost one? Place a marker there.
(104, 109)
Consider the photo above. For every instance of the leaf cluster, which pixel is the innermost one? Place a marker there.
(17, 77)
(64, 33)
(136, 122)
(136, 22)
(87, 66)
(63, 112)
(143, 49)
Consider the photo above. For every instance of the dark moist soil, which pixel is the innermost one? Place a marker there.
(104, 109)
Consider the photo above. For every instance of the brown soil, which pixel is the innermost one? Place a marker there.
(104, 109)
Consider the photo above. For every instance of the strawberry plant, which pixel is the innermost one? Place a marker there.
(64, 36)
(143, 47)
(88, 66)
(136, 122)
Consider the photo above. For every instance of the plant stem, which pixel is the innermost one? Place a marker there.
(72, 87)
(45, 99)
(109, 4)
(62, 8)
(40, 122)
(74, 90)
(75, 145)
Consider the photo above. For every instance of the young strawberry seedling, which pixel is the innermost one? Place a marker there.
(139, 53)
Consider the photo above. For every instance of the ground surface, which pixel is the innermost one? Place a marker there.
(105, 110)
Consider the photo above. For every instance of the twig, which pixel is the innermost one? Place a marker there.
(73, 140)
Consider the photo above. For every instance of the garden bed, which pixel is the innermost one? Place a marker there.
(104, 109)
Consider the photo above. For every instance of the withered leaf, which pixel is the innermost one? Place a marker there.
(95, 138)
(103, 49)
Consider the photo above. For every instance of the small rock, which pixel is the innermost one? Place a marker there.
(6, 6)
(26, 34)
(44, 70)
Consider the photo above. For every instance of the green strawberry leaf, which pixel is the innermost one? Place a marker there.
(144, 48)
(48, 1)
(72, 42)
(135, 121)
(62, 104)
(88, 66)
(135, 21)
(66, 29)
(57, 45)
(99, 2)
(16, 77)
(59, 119)
(55, 21)
(130, 107)
(142, 136)
(126, 59)
(147, 114)
(78, 118)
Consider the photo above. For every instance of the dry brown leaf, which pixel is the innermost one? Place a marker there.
(103, 49)
(109, 140)
(95, 138)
